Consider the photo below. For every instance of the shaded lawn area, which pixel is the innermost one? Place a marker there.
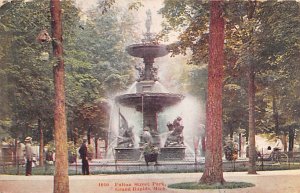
(195, 185)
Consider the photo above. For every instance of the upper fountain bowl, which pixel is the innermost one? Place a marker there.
(147, 50)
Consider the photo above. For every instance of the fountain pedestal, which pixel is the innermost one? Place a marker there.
(172, 153)
(165, 154)
(127, 154)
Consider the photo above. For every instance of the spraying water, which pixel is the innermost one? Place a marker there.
(132, 88)
(191, 112)
(114, 123)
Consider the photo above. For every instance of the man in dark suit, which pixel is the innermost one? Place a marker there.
(83, 155)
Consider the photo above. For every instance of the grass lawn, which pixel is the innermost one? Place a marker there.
(195, 185)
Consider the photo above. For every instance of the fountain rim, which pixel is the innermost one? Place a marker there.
(157, 50)
(137, 100)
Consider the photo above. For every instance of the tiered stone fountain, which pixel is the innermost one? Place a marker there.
(150, 99)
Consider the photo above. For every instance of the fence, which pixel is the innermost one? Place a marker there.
(290, 161)
(286, 160)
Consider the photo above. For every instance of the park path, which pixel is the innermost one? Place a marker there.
(285, 181)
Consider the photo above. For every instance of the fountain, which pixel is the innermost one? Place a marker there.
(149, 98)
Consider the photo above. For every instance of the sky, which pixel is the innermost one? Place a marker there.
(153, 5)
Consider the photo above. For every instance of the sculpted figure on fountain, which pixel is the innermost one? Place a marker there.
(126, 137)
(175, 137)
(141, 70)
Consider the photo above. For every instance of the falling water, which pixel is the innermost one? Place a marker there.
(191, 112)
(112, 131)
(134, 119)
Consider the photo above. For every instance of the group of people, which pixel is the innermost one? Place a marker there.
(29, 158)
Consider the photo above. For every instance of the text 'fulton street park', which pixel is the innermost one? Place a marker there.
(133, 186)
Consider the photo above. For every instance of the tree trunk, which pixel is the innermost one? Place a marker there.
(251, 103)
(106, 143)
(89, 134)
(275, 115)
(76, 134)
(16, 152)
(240, 145)
(96, 146)
(251, 96)
(284, 141)
(203, 148)
(231, 133)
(41, 143)
(26, 130)
(213, 172)
(291, 139)
(61, 178)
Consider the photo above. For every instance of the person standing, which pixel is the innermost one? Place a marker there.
(277, 148)
(146, 136)
(278, 144)
(147, 140)
(28, 155)
(83, 155)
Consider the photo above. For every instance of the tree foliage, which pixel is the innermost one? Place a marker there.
(275, 45)
(94, 52)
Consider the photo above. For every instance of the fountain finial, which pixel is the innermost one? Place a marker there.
(148, 35)
(148, 21)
